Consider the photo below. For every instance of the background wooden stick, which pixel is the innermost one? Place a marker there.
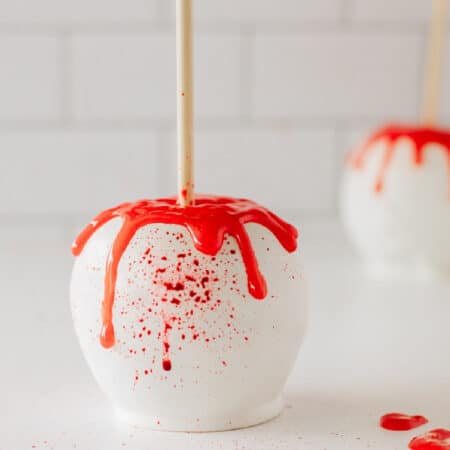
(433, 70)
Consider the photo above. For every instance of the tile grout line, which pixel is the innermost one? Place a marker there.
(341, 127)
(164, 23)
(202, 124)
(421, 60)
(246, 73)
(345, 13)
(66, 64)
(164, 14)
(161, 161)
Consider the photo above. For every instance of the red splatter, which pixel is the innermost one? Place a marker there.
(420, 137)
(438, 439)
(401, 422)
(167, 365)
(174, 287)
(208, 221)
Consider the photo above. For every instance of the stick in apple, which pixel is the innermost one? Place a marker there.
(433, 72)
(185, 103)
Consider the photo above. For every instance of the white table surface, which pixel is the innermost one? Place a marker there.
(371, 348)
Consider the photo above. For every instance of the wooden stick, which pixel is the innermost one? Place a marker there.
(433, 72)
(185, 102)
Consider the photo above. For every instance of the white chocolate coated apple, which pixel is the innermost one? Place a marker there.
(229, 353)
(396, 206)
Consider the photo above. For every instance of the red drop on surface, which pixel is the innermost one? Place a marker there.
(208, 221)
(438, 439)
(391, 134)
(401, 422)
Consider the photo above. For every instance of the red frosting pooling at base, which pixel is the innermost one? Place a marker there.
(401, 422)
(208, 222)
(420, 137)
(438, 439)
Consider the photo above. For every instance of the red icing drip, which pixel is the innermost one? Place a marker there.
(438, 439)
(166, 362)
(420, 137)
(208, 221)
(401, 422)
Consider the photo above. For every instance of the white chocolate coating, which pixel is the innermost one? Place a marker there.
(404, 230)
(230, 368)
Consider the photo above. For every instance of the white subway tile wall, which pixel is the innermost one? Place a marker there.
(122, 76)
(267, 165)
(30, 77)
(50, 172)
(132, 76)
(283, 89)
(341, 75)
